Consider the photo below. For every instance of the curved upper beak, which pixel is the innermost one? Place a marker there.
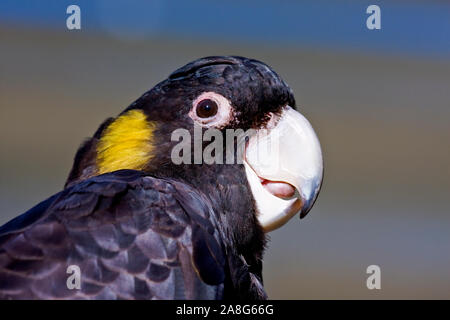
(285, 155)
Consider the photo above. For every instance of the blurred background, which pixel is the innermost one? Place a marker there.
(378, 99)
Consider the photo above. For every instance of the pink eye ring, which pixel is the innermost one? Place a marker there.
(211, 109)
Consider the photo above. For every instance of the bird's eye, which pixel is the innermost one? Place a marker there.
(211, 109)
(206, 108)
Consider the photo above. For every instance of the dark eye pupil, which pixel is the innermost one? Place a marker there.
(206, 108)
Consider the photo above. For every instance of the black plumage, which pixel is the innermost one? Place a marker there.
(167, 231)
(133, 237)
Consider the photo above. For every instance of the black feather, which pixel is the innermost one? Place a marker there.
(119, 256)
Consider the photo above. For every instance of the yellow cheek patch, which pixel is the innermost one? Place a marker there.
(126, 143)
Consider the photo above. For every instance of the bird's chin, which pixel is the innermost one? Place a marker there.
(276, 202)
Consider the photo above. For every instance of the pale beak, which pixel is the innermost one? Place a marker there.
(284, 168)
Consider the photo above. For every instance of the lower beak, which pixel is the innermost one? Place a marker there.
(284, 168)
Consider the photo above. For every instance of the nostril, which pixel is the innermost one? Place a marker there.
(272, 120)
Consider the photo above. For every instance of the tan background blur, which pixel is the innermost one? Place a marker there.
(383, 122)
